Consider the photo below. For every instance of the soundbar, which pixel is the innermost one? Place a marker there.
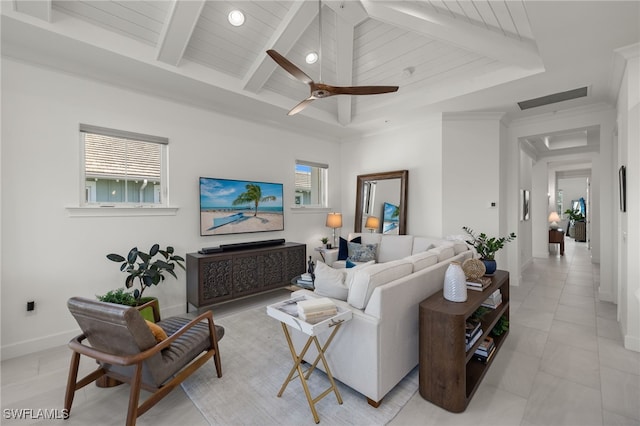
(252, 244)
(242, 246)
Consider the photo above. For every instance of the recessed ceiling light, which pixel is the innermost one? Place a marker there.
(236, 18)
(311, 58)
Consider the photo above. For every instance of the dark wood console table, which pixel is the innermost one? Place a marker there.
(449, 375)
(218, 277)
(556, 236)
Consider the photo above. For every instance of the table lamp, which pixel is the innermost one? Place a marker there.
(553, 220)
(372, 224)
(334, 220)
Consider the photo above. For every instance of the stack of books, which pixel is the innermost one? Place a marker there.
(472, 333)
(485, 350)
(494, 300)
(305, 280)
(478, 284)
(316, 309)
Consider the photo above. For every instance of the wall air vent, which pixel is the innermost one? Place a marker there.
(552, 99)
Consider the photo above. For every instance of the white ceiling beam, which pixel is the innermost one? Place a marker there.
(351, 11)
(40, 9)
(294, 24)
(523, 54)
(344, 67)
(177, 30)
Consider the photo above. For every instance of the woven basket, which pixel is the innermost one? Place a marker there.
(473, 268)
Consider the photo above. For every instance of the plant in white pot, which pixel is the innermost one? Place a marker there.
(487, 246)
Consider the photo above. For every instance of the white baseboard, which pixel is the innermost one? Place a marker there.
(30, 346)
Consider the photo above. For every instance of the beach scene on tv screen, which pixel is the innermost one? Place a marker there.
(236, 206)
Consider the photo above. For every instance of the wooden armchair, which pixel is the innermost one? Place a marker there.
(127, 351)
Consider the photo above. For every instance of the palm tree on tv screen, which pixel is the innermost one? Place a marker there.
(253, 195)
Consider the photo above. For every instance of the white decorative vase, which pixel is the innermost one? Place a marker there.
(455, 283)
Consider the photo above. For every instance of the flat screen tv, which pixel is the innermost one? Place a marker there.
(390, 219)
(237, 206)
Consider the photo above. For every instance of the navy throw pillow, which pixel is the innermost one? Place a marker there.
(350, 264)
(343, 249)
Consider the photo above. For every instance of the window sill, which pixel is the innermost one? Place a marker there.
(96, 211)
(309, 209)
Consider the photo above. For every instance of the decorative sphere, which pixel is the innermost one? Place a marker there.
(473, 268)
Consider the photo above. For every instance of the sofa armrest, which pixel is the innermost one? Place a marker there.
(329, 255)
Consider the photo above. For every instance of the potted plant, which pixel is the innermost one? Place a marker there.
(146, 269)
(325, 242)
(487, 247)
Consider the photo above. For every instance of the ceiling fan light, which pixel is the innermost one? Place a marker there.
(311, 58)
(236, 18)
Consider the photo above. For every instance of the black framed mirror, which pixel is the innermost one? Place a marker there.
(384, 196)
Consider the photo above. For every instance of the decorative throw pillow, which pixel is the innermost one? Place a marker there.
(362, 252)
(329, 282)
(343, 249)
(350, 264)
(350, 273)
(157, 331)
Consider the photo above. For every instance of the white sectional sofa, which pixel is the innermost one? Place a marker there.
(378, 347)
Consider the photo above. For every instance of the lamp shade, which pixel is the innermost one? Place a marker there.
(553, 217)
(372, 223)
(334, 220)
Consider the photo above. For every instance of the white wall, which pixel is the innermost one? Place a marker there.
(628, 228)
(49, 256)
(572, 189)
(417, 149)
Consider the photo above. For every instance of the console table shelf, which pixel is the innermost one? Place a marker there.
(450, 375)
(218, 277)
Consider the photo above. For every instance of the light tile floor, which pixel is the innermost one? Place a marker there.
(562, 364)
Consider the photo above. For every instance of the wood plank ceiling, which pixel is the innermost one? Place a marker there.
(433, 50)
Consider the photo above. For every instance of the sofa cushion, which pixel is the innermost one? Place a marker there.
(329, 282)
(443, 252)
(370, 277)
(422, 260)
(362, 252)
(350, 273)
(343, 248)
(394, 247)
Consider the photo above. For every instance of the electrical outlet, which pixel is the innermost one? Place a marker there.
(31, 306)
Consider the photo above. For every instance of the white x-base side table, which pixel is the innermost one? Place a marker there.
(286, 313)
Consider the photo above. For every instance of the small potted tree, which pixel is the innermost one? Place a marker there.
(487, 247)
(147, 270)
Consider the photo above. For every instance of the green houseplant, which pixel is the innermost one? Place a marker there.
(487, 246)
(147, 268)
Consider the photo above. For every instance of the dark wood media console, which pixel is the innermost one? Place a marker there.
(218, 277)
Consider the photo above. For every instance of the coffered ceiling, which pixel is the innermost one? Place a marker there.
(451, 55)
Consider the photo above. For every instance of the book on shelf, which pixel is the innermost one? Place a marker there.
(471, 327)
(479, 284)
(472, 341)
(486, 345)
(492, 301)
(484, 357)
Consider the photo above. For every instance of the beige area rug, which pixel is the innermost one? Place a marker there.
(255, 362)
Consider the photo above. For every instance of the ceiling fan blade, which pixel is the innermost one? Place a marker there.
(302, 105)
(289, 67)
(362, 90)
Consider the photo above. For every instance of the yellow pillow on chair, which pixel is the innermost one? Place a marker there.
(157, 331)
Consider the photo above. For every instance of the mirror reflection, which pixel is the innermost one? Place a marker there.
(381, 202)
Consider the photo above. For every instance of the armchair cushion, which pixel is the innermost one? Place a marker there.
(157, 331)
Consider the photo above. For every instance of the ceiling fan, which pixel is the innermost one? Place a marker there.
(321, 90)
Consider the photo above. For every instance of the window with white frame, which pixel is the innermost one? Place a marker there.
(311, 184)
(123, 168)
